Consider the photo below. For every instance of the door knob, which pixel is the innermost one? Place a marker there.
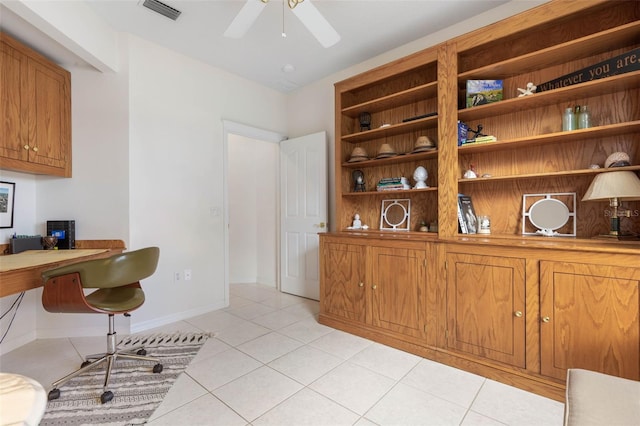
(321, 225)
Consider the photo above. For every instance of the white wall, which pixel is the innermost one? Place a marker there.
(177, 107)
(253, 179)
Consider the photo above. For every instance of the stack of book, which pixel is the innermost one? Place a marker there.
(393, 184)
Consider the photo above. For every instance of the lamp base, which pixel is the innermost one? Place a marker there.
(619, 237)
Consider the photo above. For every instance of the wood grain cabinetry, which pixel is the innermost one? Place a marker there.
(377, 283)
(36, 107)
(533, 154)
(343, 279)
(486, 306)
(589, 318)
(397, 97)
(518, 309)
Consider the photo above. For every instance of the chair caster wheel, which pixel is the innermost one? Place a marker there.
(142, 352)
(106, 397)
(54, 394)
(84, 364)
(157, 368)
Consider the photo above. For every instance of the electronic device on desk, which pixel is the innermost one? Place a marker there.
(65, 230)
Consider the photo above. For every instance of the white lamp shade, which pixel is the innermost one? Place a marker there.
(623, 185)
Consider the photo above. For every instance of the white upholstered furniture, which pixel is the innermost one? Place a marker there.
(596, 399)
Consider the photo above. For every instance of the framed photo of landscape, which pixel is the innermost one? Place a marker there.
(7, 194)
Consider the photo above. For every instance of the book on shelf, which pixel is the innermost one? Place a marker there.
(393, 184)
(467, 220)
(393, 180)
(481, 139)
(398, 187)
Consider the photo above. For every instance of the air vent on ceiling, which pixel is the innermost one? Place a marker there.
(162, 9)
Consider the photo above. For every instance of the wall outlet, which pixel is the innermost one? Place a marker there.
(187, 274)
(176, 277)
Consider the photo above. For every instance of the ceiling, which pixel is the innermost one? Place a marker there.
(367, 28)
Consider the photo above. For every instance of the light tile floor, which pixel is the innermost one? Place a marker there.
(271, 363)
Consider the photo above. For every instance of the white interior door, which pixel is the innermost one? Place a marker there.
(303, 212)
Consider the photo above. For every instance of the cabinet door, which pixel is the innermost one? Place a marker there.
(397, 286)
(590, 319)
(49, 112)
(13, 66)
(486, 306)
(342, 284)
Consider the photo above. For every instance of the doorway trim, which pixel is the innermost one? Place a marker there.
(235, 128)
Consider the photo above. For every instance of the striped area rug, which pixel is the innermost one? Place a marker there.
(137, 390)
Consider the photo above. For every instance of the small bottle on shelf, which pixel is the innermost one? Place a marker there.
(568, 120)
(584, 120)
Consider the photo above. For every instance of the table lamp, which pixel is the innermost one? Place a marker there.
(615, 187)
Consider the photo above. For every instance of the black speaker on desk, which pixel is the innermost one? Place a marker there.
(65, 230)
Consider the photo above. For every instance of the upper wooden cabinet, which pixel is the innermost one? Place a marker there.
(36, 109)
(532, 154)
(400, 102)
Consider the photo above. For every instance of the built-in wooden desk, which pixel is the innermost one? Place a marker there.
(23, 271)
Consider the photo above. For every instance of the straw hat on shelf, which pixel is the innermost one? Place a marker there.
(423, 143)
(386, 151)
(358, 154)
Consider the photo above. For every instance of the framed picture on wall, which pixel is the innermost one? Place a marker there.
(7, 194)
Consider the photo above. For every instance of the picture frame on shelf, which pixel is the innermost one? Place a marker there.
(467, 220)
(7, 197)
(395, 215)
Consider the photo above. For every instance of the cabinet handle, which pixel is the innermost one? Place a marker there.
(546, 319)
(35, 149)
(360, 284)
(26, 147)
(518, 314)
(374, 286)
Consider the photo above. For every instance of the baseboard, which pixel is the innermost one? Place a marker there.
(14, 343)
(137, 327)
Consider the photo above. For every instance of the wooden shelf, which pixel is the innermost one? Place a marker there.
(395, 100)
(580, 172)
(593, 44)
(399, 159)
(389, 193)
(394, 129)
(551, 97)
(554, 138)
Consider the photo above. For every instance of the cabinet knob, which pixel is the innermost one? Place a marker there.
(518, 314)
(26, 147)
(374, 286)
(35, 149)
(360, 284)
(546, 319)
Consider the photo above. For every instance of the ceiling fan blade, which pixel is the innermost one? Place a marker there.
(316, 23)
(245, 19)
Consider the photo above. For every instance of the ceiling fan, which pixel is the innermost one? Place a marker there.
(304, 10)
